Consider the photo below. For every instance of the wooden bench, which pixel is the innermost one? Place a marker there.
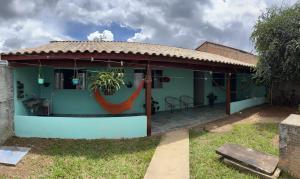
(264, 165)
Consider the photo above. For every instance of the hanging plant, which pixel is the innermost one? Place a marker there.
(40, 79)
(108, 82)
(75, 79)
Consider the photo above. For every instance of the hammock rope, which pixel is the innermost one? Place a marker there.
(121, 107)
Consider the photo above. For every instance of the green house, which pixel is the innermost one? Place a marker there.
(52, 98)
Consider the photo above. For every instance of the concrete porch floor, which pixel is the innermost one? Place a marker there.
(166, 121)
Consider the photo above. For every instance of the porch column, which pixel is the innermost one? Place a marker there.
(228, 93)
(148, 81)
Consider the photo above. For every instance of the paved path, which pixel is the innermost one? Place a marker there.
(171, 157)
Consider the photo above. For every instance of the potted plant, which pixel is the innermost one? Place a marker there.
(75, 81)
(154, 106)
(211, 98)
(108, 82)
(40, 79)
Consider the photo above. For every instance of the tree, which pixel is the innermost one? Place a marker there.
(276, 37)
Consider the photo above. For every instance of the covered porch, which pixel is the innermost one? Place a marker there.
(189, 72)
(166, 121)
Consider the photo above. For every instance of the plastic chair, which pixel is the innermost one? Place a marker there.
(172, 103)
(186, 101)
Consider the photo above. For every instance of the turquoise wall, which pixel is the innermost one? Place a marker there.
(72, 101)
(69, 101)
(246, 87)
(181, 83)
(247, 103)
(82, 102)
(218, 91)
(80, 127)
(27, 76)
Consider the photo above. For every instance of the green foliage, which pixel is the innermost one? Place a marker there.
(109, 81)
(154, 106)
(277, 40)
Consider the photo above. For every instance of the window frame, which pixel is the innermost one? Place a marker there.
(59, 79)
(153, 77)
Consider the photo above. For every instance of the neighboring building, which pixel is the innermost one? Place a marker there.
(228, 52)
(72, 111)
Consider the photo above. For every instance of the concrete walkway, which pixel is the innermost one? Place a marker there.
(171, 157)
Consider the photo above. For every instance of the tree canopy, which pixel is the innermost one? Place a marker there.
(276, 37)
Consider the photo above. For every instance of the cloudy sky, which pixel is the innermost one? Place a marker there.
(181, 23)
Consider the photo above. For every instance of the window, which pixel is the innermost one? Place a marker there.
(157, 75)
(63, 79)
(157, 81)
(218, 79)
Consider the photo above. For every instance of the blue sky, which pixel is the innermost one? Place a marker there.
(177, 23)
(80, 31)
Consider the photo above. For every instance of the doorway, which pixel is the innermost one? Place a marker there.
(233, 87)
(198, 88)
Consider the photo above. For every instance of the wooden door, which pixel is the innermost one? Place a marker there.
(198, 88)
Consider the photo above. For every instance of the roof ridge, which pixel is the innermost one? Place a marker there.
(146, 43)
(230, 47)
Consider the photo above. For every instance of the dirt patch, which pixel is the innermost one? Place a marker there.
(216, 129)
(33, 163)
(275, 141)
(261, 114)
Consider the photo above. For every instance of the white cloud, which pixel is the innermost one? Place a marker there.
(106, 35)
(27, 33)
(139, 37)
(177, 23)
(173, 22)
(223, 12)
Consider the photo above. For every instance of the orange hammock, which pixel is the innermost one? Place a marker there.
(121, 107)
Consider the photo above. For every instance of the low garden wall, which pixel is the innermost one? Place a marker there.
(80, 127)
(289, 145)
(247, 103)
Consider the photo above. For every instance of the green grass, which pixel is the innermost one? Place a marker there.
(88, 158)
(204, 161)
(108, 159)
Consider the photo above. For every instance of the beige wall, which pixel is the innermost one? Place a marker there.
(6, 103)
(228, 52)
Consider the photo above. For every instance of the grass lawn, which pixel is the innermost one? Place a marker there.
(204, 161)
(82, 158)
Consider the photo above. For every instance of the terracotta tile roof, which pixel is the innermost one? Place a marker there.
(227, 51)
(126, 47)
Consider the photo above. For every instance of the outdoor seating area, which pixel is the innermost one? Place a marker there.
(166, 121)
(184, 102)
